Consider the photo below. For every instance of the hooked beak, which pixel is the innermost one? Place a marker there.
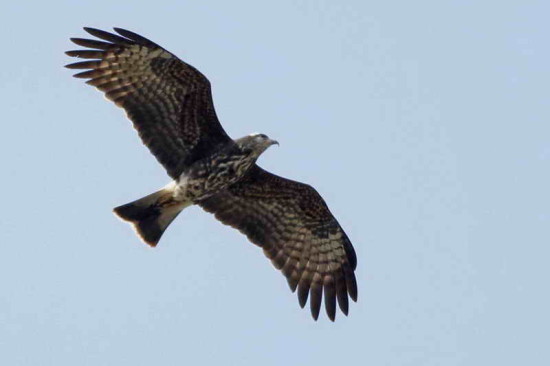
(273, 142)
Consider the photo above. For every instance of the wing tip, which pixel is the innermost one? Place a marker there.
(120, 29)
(90, 29)
(314, 315)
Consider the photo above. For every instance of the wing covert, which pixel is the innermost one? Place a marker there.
(168, 101)
(296, 230)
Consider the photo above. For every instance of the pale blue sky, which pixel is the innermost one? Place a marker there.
(425, 125)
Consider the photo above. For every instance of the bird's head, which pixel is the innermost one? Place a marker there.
(255, 143)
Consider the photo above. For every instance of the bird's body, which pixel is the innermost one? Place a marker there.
(171, 106)
(199, 180)
(219, 170)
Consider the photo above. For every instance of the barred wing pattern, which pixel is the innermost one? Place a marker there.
(168, 101)
(296, 230)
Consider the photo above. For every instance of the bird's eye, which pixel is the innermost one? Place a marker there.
(262, 136)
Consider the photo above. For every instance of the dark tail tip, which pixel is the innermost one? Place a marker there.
(132, 212)
(144, 220)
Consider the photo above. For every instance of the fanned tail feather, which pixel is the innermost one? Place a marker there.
(151, 214)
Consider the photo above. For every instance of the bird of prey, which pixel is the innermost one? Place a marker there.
(170, 105)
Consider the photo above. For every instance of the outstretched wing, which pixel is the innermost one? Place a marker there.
(168, 101)
(296, 230)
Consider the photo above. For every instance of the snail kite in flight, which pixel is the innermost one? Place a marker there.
(170, 105)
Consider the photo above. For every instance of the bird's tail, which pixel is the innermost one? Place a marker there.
(151, 214)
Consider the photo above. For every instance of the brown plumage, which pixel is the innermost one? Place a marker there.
(170, 105)
(169, 101)
(296, 230)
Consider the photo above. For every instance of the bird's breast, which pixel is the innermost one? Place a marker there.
(207, 177)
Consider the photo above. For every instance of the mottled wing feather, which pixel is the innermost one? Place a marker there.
(296, 230)
(168, 101)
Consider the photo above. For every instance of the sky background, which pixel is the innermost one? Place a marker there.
(425, 125)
